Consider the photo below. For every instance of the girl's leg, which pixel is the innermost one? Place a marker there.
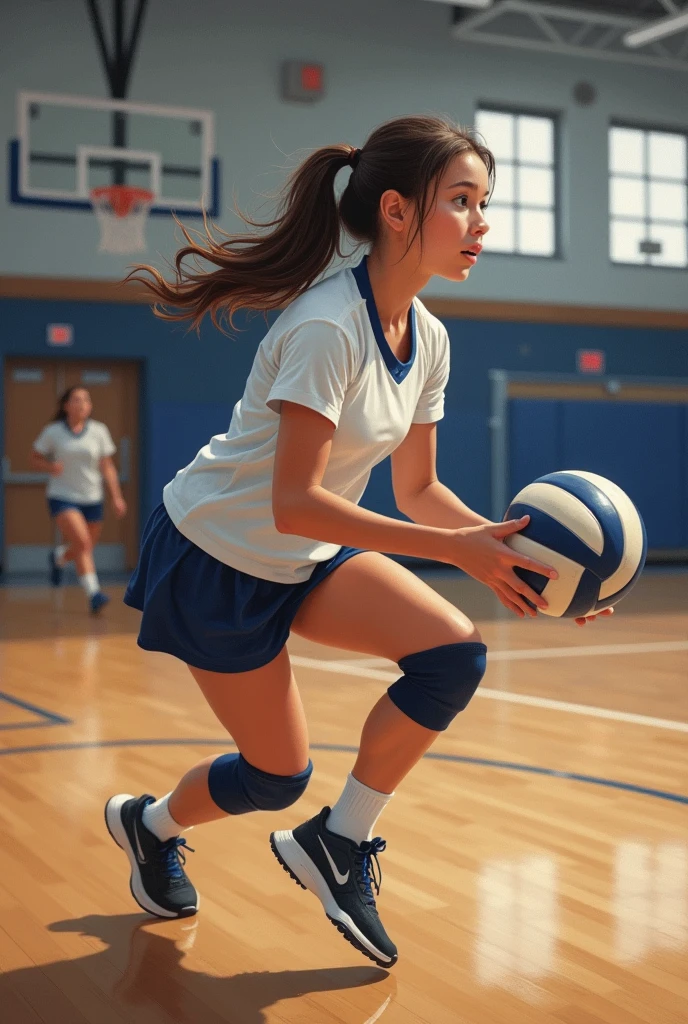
(373, 605)
(75, 531)
(94, 532)
(70, 552)
(263, 713)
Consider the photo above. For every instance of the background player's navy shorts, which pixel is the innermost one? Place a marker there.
(92, 513)
(206, 613)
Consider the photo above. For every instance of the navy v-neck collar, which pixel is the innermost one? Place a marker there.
(71, 432)
(397, 369)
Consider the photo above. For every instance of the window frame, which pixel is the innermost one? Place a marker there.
(555, 117)
(646, 179)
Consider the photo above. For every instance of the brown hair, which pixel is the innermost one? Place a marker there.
(61, 412)
(267, 270)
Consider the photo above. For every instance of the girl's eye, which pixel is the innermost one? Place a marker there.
(463, 200)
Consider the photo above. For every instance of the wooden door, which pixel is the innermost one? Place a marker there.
(32, 387)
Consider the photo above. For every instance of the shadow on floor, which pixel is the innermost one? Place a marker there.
(141, 976)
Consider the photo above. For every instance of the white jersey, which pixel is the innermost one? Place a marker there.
(326, 351)
(81, 479)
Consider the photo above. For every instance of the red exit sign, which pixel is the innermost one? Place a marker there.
(59, 334)
(590, 360)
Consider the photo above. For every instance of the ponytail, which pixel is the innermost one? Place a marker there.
(259, 271)
(268, 270)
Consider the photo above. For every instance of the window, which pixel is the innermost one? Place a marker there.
(522, 213)
(648, 189)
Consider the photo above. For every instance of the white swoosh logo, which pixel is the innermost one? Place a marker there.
(342, 879)
(139, 852)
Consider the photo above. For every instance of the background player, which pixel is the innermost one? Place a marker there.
(77, 453)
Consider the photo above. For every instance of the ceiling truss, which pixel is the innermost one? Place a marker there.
(560, 29)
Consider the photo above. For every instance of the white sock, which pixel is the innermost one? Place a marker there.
(89, 581)
(357, 810)
(60, 552)
(158, 820)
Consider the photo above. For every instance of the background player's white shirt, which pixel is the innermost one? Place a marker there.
(81, 479)
(327, 351)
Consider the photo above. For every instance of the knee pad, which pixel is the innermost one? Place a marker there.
(437, 684)
(237, 787)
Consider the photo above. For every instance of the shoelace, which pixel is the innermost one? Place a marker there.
(369, 870)
(173, 855)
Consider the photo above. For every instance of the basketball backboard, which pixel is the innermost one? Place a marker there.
(68, 145)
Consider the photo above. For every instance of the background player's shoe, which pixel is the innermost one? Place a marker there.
(98, 601)
(56, 570)
(341, 874)
(158, 882)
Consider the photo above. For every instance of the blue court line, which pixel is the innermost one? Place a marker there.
(593, 780)
(50, 718)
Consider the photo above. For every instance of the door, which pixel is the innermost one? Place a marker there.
(32, 387)
(635, 436)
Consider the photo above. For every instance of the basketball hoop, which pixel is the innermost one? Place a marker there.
(122, 212)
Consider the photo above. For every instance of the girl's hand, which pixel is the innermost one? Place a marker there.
(120, 507)
(481, 552)
(591, 618)
(56, 468)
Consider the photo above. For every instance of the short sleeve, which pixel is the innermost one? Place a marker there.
(430, 406)
(316, 365)
(107, 445)
(45, 442)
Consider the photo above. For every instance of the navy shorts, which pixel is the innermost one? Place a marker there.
(92, 513)
(206, 613)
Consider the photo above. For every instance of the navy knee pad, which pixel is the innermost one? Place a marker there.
(237, 787)
(437, 684)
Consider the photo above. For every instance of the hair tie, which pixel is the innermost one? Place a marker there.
(354, 157)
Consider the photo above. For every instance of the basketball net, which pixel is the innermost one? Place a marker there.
(122, 212)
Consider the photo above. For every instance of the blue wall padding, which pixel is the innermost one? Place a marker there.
(641, 446)
(191, 385)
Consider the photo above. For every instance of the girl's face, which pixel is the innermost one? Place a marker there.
(454, 229)
(78, 406)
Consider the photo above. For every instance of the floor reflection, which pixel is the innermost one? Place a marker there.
(650, 898)
(518, 917)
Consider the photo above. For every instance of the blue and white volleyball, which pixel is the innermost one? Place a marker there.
(586, 528)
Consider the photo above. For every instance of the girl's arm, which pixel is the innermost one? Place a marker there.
(417, 491)
(45, 465)
(107, 468)
(302, 506)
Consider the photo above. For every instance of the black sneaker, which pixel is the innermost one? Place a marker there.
(98, 601)
(158, 882)
(341, 874)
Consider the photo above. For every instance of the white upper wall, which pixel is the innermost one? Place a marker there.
(382, 59)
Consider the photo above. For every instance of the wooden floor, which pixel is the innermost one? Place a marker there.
(537, 861)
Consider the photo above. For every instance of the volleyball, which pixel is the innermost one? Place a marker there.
(586, 528)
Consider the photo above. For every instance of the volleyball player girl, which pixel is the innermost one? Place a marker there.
(77, 453)
(262, 533)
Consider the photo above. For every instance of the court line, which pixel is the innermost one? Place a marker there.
(481, 762)
(537, 653)
(349, 668)
(50, 718)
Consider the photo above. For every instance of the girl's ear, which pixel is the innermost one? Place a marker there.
(393, 210)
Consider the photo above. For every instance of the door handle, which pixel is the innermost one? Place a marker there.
(124, 460)
(21, 477)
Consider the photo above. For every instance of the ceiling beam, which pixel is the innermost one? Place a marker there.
(483, 26)
(657, 30)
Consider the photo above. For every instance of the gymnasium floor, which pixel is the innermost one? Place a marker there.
(537, 861)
